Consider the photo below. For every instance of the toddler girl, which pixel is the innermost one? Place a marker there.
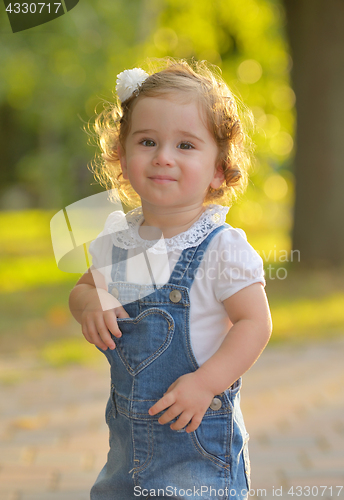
(195, 315)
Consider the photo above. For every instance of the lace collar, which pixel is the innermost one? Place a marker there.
(124, 231)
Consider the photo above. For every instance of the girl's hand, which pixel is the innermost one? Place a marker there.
(98, 324)
(188, 398)
(96, 309)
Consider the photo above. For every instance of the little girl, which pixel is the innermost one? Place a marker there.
(196, 315)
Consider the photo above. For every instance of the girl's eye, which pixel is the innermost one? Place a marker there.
(148, 143)
(185, 145)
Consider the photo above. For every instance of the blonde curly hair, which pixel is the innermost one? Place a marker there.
(112, 126)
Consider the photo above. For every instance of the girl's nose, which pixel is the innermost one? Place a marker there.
(163, 156)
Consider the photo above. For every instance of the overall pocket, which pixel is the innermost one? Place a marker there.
(212, 439)
(143, 338)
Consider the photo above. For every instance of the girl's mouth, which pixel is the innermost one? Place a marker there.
(162, 179)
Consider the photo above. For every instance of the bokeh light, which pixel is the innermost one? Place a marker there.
(250, 71)
(250, 212)
(282, 144)
(276, 187)
(283, 98)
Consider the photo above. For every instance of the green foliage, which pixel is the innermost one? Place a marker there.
(308, 318)
(69, 351)
(26, 253)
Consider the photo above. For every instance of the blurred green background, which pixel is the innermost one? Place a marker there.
(53, 78)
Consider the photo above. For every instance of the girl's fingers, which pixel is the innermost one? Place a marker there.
(121, 312)
(170, 414)
(161, 405)
(85, 334)
(93, 336)
(98, 327)
(104, 333)
(167, 403)
(110, 321)
(182, 421)
(194, 424)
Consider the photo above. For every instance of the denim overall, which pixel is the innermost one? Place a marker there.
(147, 459)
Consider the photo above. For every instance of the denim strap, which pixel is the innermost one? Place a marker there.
(185, 270)
(119, 263)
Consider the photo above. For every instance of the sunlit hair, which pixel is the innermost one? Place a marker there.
(199, 82)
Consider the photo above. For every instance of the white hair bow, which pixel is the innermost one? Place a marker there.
(129, 81)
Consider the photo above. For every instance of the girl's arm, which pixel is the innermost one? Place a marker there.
(190, 395)
(96, 310)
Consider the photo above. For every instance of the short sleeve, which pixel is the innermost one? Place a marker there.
(234, 263)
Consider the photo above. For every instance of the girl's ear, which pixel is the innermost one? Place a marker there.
(218, 178)
(122, 161)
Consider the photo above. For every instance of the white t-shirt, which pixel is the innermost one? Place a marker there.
(228, 265)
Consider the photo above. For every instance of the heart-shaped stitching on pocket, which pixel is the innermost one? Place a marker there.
(144, 338)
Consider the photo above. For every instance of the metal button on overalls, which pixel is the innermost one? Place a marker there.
(175, 296)
(215, 404)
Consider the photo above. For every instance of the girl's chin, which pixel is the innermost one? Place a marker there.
(168, 203)
(160, 203)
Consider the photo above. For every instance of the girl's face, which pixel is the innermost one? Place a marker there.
(170, 155)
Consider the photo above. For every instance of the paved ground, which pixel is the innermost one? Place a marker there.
(53, 440)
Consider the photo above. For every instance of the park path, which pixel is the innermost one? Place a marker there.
(53, 439)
